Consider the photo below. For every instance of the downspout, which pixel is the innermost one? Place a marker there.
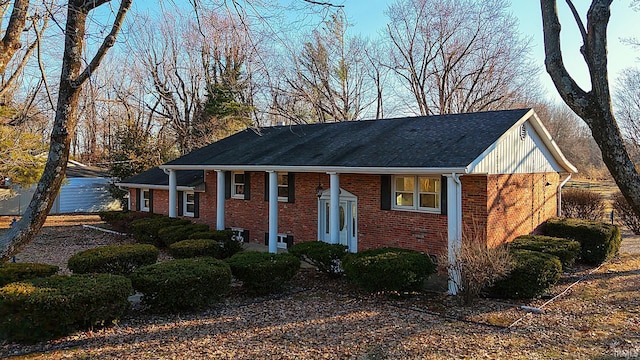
(559, 194)
(455, 232)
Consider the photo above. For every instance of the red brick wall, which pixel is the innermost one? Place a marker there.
(519, 203)
(495, 207)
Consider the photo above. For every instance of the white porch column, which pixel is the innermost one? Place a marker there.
(454, 229)
(220, 194)
(273, 212)
(173, 194)
(334, 208)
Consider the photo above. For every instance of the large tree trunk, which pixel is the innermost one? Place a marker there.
(594, 106)
(71, 79)
(10, 43)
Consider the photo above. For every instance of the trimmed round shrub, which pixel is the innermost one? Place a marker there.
(183, 284)
(121, 220)
(566, 250)
(599, 241)
(533, 273)
(194, 248)
(218, 235)
(146, 230)
(389, 269)
(326, 257)
(47, 308)
(12, 272)
(263, 273)
(113, 259)
(175, 233)
(228, 245)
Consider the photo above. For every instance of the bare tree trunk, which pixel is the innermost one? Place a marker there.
(594, 107)
(11, 41)
(71, 79)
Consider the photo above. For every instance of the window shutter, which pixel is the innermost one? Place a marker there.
(151, 201)
(138, 199)
(443, 195)
(266, 186)
(196, 205)
(289, 241)
(292, 187)
(180, 203)
(266, 238)
(247, 185)
(245, 236)
(385, 192)
(227, 184)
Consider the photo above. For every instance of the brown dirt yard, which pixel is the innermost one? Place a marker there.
(597, 318)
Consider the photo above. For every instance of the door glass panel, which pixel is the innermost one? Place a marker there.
(326, 212)
(342, 218)
(353, 220)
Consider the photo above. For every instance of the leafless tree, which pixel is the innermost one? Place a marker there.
(593, 106)
(72, 77)
(627, 107)
(328, 81)
(458, 56)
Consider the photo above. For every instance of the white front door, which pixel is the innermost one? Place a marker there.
(348, 216)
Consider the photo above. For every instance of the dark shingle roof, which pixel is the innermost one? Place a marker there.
(427, 142)
(156, 176)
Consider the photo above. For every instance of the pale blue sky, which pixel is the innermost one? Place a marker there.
(368, 18)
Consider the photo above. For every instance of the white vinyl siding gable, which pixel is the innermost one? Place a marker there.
(514, 154)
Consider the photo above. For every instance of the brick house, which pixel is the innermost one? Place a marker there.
(421, 183)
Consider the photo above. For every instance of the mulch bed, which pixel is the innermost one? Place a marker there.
(322, 318)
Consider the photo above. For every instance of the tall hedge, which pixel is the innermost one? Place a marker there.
(566, 250)
(599, 241)
(532, 274)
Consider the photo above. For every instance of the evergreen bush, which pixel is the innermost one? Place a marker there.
(532, 274)
(389, 269)
(12, 272)
(113, 259)
(194, 248)
(599, 242)
(566, 250)
(183, 284)
(47, 308)
(263, 273)
(326, 257)
(146, 230)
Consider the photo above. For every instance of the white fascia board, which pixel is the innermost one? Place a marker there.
(156, 187)
(322, 169)
(544, 135)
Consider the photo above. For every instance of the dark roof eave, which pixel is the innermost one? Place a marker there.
(323, 169)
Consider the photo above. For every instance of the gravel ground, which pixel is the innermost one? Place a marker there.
(328, 319)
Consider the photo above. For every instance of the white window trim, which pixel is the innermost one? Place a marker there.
(416, 195)
(185, 203)
(142, 198)
(283, 198)
(281, 241)
(233, 185)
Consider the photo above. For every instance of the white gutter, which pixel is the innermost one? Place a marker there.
(156, 187)
(324, 169)
(559, 192)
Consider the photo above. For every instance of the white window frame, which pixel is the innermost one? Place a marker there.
(234, 194)
(186, 202)
(283, 198)
(416, 194)
(281, 241)
(145, 201)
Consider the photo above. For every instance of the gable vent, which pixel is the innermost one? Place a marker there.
(523, 132)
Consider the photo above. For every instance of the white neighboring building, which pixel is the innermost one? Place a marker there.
(85, 190)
